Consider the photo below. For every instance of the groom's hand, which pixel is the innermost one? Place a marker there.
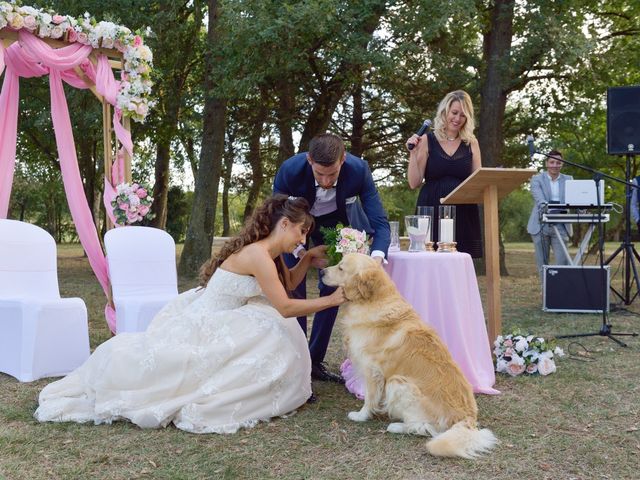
(319, 256)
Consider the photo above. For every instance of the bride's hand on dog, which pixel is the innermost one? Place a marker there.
(337, 297)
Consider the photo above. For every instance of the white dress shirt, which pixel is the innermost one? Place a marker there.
(325, 201)
(555, 189)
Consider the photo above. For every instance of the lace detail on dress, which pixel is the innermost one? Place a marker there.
(212, 361)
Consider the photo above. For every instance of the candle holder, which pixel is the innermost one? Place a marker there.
(447, 247)
(446, 228)
(424, 211)
(418, 228)
(394, 246)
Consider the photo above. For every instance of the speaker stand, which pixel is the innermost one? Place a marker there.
(605, 329)
(629, 254)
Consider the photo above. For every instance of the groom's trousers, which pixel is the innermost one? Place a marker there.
(324, 320)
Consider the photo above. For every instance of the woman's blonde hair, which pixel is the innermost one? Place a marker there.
(440, 125)
(261, 223)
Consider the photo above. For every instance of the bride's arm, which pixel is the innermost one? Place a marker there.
(264, 270)
(296, 274)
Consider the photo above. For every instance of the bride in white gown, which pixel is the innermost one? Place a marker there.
(215, 359)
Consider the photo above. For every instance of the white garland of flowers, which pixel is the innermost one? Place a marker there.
(135, 88)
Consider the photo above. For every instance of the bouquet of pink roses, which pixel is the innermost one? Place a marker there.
(341, 240)
(516, 354)
(131, 204)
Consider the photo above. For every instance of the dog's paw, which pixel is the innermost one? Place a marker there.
(397, 427)
(360, 416)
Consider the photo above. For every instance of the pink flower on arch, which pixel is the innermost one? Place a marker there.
(142, 109)
(141, 192)
(30, 23)
(132, 217)
(72, 35)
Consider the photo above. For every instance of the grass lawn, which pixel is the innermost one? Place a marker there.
(580, 423)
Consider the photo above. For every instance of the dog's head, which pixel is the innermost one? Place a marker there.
(359, 275)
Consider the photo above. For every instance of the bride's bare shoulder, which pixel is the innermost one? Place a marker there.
(245, 260)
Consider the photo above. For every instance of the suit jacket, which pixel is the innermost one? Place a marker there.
(357, 200)
(541, 191)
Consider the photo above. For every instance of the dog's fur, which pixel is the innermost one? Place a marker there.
(408, 371)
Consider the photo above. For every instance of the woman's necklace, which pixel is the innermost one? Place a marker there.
(451, 139)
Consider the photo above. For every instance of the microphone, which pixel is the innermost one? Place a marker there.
(532, 149)
(425, 126)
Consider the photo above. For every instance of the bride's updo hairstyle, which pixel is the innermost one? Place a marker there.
(261, 223)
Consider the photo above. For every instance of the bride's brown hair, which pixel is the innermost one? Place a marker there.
(258, 226)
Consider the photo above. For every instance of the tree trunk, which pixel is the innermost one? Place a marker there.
(357, 121)
(257, 172)
(193, 162)
(197, 246)
(285, 112)
(496, 79)
(495, 82)
(161, 185)
(228, 167)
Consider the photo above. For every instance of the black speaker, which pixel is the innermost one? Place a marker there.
(575, 288)
(623, 120)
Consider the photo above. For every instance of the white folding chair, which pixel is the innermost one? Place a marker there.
(41, 334)
(142, 269)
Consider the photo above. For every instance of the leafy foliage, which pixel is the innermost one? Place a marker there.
(330, 239)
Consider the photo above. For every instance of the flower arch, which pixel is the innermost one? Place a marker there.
(83, 53)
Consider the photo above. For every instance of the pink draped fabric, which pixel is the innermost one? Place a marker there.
(32, 57)
(108, 86)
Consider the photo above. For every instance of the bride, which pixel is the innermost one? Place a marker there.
(216, 358)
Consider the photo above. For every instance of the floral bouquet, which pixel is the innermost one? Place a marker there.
(516, 354)
(341, 240)
(131, 204)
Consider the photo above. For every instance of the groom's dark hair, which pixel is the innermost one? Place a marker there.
(326, 149)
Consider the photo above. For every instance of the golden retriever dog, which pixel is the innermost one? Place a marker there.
(408, 371)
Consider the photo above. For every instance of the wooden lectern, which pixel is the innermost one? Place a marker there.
(487, 186)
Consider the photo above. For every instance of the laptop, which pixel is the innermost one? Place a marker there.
(583, 192)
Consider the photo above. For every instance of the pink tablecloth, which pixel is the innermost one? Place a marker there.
(443, 289)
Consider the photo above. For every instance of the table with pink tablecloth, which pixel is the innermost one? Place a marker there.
(443, 289)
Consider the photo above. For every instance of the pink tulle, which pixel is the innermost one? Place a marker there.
(351, 379)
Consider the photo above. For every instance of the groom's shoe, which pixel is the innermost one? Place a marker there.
(312, 398)
(320, 372)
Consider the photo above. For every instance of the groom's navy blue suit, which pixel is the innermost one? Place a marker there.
(358, 205)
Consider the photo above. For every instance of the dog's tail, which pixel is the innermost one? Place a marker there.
(462, 440)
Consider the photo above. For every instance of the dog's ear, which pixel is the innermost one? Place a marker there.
(363, 285)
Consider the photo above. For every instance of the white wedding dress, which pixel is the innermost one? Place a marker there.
(212, 361)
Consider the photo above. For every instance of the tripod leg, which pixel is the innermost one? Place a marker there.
(614, 255)
(622, 344)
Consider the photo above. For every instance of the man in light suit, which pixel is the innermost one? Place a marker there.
(548, 188)
(340, 189)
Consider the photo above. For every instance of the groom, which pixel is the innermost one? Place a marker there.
(340, 189)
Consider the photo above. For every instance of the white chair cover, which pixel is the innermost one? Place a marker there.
(142, 269)
(41, 334)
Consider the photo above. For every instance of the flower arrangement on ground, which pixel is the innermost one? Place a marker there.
(135, 88)
(131, 204)
(516, 354)
(341, 240)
